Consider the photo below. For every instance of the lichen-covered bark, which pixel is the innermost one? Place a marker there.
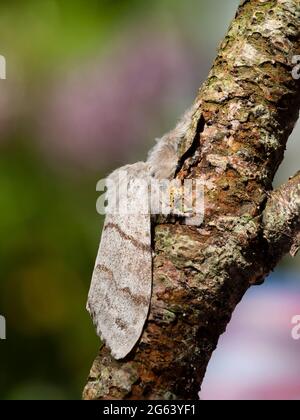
(282, 220)
(249, 105)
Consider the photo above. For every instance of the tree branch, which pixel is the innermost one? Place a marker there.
(248, 105)
(282, 219)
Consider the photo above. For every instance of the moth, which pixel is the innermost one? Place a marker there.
(121, 286)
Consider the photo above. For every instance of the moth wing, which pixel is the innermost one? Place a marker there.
(120, 292)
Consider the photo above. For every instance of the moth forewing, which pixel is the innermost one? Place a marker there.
(120, 292)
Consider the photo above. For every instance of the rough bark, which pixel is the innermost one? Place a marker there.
(281, 219)
(249, 105)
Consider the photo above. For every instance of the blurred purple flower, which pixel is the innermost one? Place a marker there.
(103, 112)
(257, 357)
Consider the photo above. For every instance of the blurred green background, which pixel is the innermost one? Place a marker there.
(89, 86)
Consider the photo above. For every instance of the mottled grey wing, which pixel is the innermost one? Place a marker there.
(120, 292)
